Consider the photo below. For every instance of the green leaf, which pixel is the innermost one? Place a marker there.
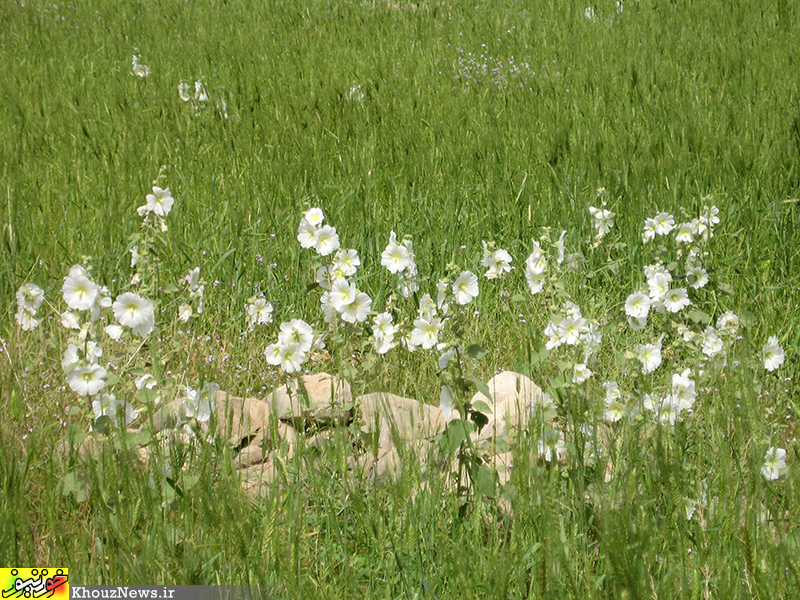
(103, 425)
(146, 396)
(482, 387)
(725, 288)
(111, 378)
(75, 435)
(72, 483)
(747, 318)
(476, 351)
(73, 411)
(170, 288)
(518, 298)
(481, 407)
(698, 316)
(485, 481)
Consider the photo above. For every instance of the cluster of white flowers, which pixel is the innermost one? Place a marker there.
(602, 220)
(400, 260)
(139, 69)
(29, 298)
(295, 340)
(313, 234)
(198, 404)
(536, 269)
(570, 327)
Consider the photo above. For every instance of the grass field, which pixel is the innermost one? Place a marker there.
(454, 124)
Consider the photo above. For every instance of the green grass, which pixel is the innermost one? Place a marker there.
(668, 105)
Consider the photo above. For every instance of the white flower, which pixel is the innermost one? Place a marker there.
(683, 390)
(710, 216)
(637, 305)
(315, 216)
(342, 293)
(114, 331)
(383, 331)
(684, 233)
(676, 299)
(649, 231)
(139, 69)
(199, 404)
(26, 319)
(637, 324)
(108, 405)
(589, 14)
(192, 280)
(160, 201)
(465, 287)
(496, 263)
(580, 373)
(78, 290)
(297, 331)
(259, 311)
(664, 223)
(728, 322)
(658, 285)
(131, 310)
(560, 246)
(146, 381)
(553, 335)
(358, 310)
(711, 342)
(327, 240)
(571, 328)
(200, 94)
(426, 332)
(307, 234)
(88, 380)
(291, 357)
(184, 312)
(650, 356)
(772, 354)
(273, 354)
(603, 220)
(30, 297)
(551, 446)
(697, 277)
(774, 464)
(327, 307)
(446, 403)
(347, 261)
(395, 257)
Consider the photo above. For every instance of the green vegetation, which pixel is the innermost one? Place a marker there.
(452, 123)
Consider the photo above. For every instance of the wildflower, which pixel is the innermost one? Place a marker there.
(307, 234)
(553, 335)
(774, 464)
(88, 380)
(658, 285)
(26, 319)
(30, 297)
(327, 240)
(327, 307)
(614, 409)
(650, 356)
(589, 13)
(728, 322)
(551, 446)
(314, 216)
(697, 277)
(676, 299)
(292, 357)
(297, 331)
(199, 404)
(347, 261)
(184, 312)
(395, 257)
(580, 373)
(637, 305)
(109, 406)
(684, 233)
(200, 93)
(358, 309)
(664, 223)
(683, 389)
(560, 248)
(273, 354)
(603, 220)
(160, 201)
(259, 311)
(383, 331)
(184, 91)
(146, 382)
(496, 263)
(772, 354)
(465, 287)
(342, 293)
(78, 290)
(570, 329)
(139, 69)
(131, 310)
(712, 343)
(649, 232)
(426, 332)
(446, 403)
(192, 280)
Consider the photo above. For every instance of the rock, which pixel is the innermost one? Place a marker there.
(280, 438)
(256, 480)
(327, 399)
(395, 418)
(240, 418)
(513, 395)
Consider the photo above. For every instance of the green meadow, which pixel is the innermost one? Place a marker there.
(453, 124)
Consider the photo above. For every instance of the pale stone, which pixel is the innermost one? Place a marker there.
(513, 395)
(326, 399)
(240, 418)
(393, 418)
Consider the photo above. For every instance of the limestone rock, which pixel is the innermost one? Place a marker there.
(324, 399)
(395, 418)
(240, 418)
(513, 395)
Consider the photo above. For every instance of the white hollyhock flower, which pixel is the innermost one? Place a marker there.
(580, 373)
(297, 331)
(676, 299)
(772, 354)
(88, 380)
(273, 354)
(327, 240)
(465, 287)
(685, 233)
(342, 293)
(496, 263)
(30, 297)
(114, 331)
(395, 257)
(160, 201)
(426, 332)
(314, 216)
(711, 342)
(184, 91)
(292, 357)
(603, 220)
(728, 322)
(26, 319)
(446, 403)
(347, 261)
(649, 231)
(774, 464)
(683, 389)
(145, 382)
(358, 310)
(637, 305)
(138, 68)
(650, 356)
(259, 311)
(131, 310)
(664, 223)
(307, 234)
(79, 291)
